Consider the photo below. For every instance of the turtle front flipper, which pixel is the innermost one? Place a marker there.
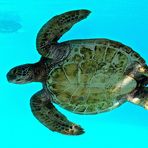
(47, 114)
(56, 27)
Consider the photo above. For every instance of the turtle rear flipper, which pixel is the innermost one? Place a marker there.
(57, 26)
(139, 97)
(48, 115)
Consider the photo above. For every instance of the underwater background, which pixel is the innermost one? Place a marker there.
(125, 21)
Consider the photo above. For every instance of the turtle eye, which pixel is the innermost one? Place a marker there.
(14, 71)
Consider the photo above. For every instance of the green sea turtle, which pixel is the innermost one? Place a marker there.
(83, 76)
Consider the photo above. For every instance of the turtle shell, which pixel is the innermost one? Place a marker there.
(92, 78)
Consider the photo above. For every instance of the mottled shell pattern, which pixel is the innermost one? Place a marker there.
(92, 78)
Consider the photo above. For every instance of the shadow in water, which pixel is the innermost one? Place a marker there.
(9, 22)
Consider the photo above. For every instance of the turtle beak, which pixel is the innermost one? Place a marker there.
(10, 77)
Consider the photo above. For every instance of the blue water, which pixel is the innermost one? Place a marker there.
(122, 20)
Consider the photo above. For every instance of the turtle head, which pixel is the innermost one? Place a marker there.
(21, 74)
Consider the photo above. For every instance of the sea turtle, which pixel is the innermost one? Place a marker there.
(86, 76)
